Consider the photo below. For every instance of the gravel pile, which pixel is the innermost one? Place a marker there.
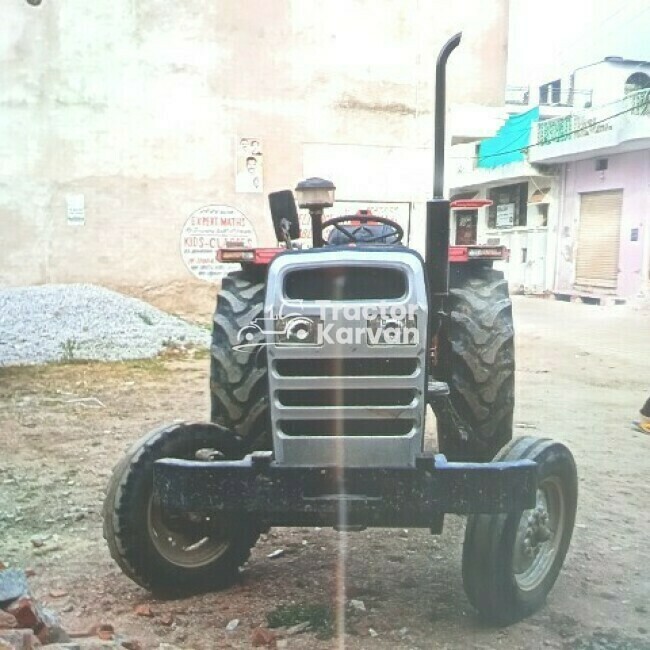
(79, 321)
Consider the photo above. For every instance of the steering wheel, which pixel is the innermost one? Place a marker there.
(358, 224)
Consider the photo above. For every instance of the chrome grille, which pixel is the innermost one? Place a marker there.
(346, 403)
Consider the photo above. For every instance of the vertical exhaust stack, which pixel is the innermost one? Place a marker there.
(437, 232)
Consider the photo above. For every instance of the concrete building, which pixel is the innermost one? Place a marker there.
(127, 129)
(570, 194)
(590, 85)
(602, 158)
(524, 210)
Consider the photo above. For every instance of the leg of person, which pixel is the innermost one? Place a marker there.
(644, 423)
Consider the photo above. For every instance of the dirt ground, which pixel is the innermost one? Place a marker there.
(582, 376)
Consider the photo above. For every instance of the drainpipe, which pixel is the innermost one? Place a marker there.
(560, 227)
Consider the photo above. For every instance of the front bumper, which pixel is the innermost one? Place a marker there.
(281, 495)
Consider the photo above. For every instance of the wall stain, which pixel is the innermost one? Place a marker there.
(353, 103)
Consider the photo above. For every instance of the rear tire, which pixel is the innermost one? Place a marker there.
(239, 378)
(477, 359)
(511, 561)
(173, 560)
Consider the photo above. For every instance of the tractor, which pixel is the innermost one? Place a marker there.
(323, 363)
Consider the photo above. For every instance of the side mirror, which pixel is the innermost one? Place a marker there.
(284, 214)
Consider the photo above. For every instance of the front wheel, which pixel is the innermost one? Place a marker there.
(511, 561)
(180, 554)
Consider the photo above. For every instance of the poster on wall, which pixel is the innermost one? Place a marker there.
(249, 167)
(76, 209)
(399, 212)
(206, 231)
(505, 215)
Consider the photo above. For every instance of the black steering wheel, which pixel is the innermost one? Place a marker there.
(357, 226)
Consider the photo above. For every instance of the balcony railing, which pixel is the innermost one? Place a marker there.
(594, 120)
(521, 96)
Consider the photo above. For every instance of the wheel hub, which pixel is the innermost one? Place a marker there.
(538, 536)
(189, 540)
(537, 531)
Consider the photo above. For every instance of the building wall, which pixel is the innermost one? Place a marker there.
(606, 80)
(535, 273)
(631, 173)
(139, 106)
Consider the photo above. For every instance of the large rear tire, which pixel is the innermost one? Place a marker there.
(477, 359)
(173, 556)
(239, 377)
(511, 561)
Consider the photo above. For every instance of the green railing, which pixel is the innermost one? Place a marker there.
(593, 120)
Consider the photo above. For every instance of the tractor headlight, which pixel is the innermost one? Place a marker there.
(392, 330)
(297, 330)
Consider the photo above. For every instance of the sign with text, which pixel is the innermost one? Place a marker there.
(506, 215)
(206, 231)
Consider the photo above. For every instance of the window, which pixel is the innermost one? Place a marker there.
(543, 94)
(551, 93)
(637, 81)
(601, 164)
(556, 91)
(509, 206)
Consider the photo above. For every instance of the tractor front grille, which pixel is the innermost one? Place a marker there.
(330, 401)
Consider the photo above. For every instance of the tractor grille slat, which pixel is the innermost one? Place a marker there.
(346, 397)
(359, 367)
(341, 427)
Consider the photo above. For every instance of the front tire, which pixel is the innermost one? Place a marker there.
(477, 360)
(192, 556)
(511, 561)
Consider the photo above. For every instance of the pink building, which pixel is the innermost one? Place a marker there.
(604, 224)
(602, 157)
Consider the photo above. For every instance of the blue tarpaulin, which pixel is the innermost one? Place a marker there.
(506, 146)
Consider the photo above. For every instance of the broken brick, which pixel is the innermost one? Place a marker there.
(143, 610)
(263, 637)
(26, 613)
(105, 631)
(19, 639)
(7, 620)
(132, 644)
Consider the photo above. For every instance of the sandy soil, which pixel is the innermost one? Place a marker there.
(582, 376)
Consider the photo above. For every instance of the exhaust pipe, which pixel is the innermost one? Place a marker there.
(437, 234)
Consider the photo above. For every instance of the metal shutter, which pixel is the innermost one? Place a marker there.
(599, 239)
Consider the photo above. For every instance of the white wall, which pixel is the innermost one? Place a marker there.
(607, 80)
(138, 107)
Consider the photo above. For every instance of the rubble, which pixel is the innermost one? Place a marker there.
(263, 637)
(7, 620)
(13, 584)
(144, 610)
(26, 625)
(232, 625)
